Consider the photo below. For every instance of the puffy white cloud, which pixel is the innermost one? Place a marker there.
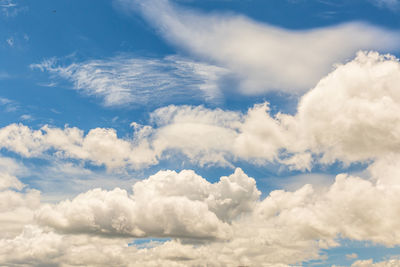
(100, 146)
(351, 115)
(263, 57)
(127, 80)
(17, 207)
(168, 204)
(218, 224)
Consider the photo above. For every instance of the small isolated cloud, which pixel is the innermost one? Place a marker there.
(10, 41)
(135, 81)
(351, 256)
(262, 56)
(26, 117)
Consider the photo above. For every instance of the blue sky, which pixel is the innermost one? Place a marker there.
(170, 96)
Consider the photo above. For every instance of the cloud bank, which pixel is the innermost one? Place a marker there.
(219, 224)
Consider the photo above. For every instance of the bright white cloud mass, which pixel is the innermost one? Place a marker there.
(154, 195)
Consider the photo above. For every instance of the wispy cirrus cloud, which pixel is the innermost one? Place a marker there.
(128, 80)
(10, 8)
(8, 104)
(391, 4)
(7, 4)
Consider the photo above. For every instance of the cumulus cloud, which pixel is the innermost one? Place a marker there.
(127, 80)
(263, 57)
(219, 224)
(17, 206)
(351, 114)
(168, 204)
(100, 146)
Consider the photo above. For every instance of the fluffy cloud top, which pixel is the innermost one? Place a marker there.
(168, 204)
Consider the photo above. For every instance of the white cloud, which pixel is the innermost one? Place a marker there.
(351, 256)
(218, 224)
(16, 206)
(100, 146)
(167, 204)
(350, 116)
(126, 80)
(10, 41)
(262, 56)
(26, 117)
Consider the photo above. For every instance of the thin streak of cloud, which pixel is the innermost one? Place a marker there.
(129, 80)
